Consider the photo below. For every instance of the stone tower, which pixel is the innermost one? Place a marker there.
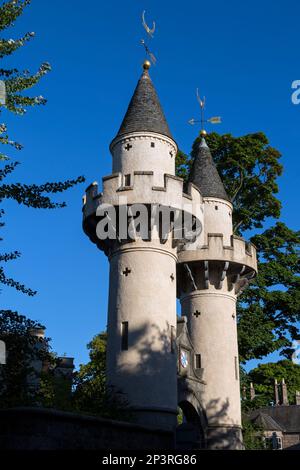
(151, 262)
(141, 352)
(211, 272)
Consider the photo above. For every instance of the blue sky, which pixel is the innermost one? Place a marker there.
(242, 55)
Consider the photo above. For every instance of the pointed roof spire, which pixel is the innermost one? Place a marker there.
(144, 112)
(204, 173)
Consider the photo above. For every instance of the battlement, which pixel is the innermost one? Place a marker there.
(239, 252)
(143, 191)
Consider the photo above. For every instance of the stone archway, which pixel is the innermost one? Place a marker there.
(190, 434)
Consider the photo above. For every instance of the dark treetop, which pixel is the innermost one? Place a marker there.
(144, 112)
(204, 174)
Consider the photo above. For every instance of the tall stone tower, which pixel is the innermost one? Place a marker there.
(141, 356)
(151, 261)
(211, 272)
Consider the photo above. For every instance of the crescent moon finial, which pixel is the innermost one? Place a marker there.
(148, 30)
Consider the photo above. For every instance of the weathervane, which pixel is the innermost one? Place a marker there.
(150, 33)
(212, 120)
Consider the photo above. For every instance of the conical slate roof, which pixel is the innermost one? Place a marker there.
(144, 112)
(204, 174)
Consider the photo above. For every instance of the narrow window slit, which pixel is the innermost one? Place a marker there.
(198, 361)
(236, 367)
(127, 180)
(172, 339)
(124, 336)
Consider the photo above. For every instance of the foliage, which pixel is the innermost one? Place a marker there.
(183, 164)
(252, 435)
(249, 168)
(180, 416)
(22, 349)
(92, 395)
(16, 83)
(268, 311)
(54, 390)
(263, 379)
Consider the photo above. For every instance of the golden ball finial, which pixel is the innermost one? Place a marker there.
(203, 133)
(146, 65)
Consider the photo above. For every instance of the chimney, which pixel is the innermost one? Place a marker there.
(285, 400)
(65, 366)
(297, 397)
(63, 374)
(36, 363)
(276, 394)
(252, 392)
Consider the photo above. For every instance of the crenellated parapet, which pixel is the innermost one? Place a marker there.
(180, 202)
(142, 191)
(239, 252)
(217, 261)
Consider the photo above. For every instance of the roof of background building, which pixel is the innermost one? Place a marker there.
(286, 417)
(266, 422)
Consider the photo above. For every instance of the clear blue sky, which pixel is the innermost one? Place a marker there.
(242, 55)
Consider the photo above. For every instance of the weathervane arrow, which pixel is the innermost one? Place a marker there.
(211, 120)
(215, 120)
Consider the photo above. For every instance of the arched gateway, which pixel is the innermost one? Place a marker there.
(191, 430)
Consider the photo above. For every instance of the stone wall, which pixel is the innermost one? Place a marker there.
(45, 429)
(291, 440)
